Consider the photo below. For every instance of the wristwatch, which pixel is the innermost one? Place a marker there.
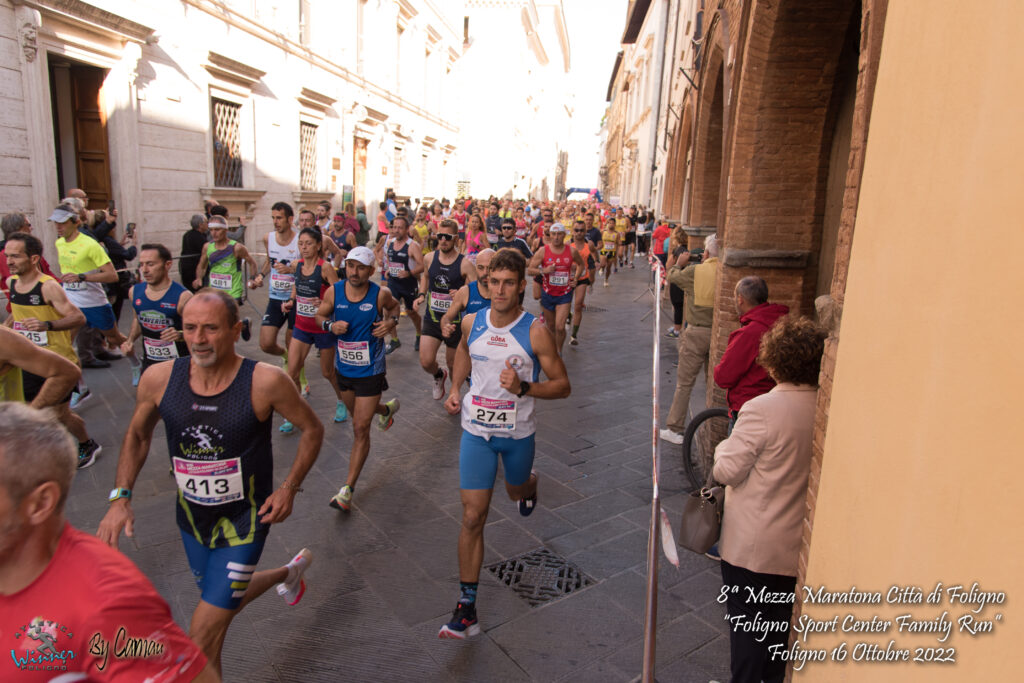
(49, 324)
(523, 388)
(395, 318)
(81, 277)
(326, 325)
(119, 493)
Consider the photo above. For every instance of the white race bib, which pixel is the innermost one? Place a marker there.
(609, 246)
(305, 306)
(559, 279)
(493, 413)
(38, 338)
(440, 302)
(221, 281)
(209, 482)
(354, 353)
(395, 269)
(280, 284)
(76, 286)
(158, 349)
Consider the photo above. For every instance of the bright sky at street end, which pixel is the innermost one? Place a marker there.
(595, 28)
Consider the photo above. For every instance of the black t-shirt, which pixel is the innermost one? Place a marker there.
(192, 244)
(516, 243)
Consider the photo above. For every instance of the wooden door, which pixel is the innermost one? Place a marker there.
(90, 126)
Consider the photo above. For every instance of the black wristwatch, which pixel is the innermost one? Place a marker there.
(49, 324)
(81, 277)
(523, 388)
(326, 326)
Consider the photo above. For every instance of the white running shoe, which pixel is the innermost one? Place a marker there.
(438, 392)
(671, 436)
(294, 587)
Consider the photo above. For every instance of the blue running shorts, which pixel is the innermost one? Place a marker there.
(223, 574)
(478, 460)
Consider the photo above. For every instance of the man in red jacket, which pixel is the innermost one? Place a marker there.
(738, 372)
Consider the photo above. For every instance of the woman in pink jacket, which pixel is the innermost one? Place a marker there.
(765, 464)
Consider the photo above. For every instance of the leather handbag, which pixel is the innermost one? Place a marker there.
(701, 525)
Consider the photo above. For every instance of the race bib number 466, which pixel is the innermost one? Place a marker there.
(493, 413)
(212, 482)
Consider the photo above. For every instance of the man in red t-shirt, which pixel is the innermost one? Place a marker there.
(559, 267)
(70, 604)
(658, 237)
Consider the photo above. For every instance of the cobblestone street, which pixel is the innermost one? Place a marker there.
(385, 576)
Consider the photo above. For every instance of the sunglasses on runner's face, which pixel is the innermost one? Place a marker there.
(508, 227)
(445, 236)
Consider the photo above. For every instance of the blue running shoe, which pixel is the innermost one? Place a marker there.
(463, 624)
(340, 412)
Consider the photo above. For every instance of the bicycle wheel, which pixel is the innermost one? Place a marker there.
(705, 431)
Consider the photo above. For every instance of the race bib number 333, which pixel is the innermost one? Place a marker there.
(209, 482)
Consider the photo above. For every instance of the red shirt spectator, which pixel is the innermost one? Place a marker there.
(658, 237)
(738, 372)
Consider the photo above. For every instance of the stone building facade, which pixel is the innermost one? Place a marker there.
(160, 106)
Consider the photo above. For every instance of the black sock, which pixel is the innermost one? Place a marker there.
(468, 592)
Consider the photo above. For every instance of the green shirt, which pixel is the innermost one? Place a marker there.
(225, 273)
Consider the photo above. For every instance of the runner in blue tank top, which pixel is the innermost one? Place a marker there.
(158, 302)
(505, 348)
(217, 408)
(360, 313)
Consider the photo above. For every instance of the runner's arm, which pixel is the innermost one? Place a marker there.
(461, 367)
(60, 373)
(468, 271)
(391, 308)
(71, 316)
(424, 284)
(243, 253)
(200, 270)
(533, 267)
(133, 335)
(104, 273)
(325, 313)
(557, 383)
(330, 275)
(134, 450)
(459, 302)
(416, 259)
(272, 385)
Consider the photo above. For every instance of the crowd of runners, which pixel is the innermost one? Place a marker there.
(458, 272)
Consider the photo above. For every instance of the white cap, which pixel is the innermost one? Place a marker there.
(362, 255)
(63, 213)
(557, 227)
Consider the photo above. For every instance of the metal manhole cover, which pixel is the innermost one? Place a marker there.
(540, 576)
(594, 309)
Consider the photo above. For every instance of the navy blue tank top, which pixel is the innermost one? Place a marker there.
(442, 282)
(154, 318)
(359, 353)
(221, 457)
(398, 260)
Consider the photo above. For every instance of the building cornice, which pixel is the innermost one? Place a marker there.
(90, 17)
(278, 40)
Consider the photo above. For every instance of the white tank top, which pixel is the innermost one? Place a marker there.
(488, 409)
(281, 283)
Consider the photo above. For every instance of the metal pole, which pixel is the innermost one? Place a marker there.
(651, 602)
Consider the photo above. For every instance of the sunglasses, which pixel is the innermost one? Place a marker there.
(445, 236)
(508, 227)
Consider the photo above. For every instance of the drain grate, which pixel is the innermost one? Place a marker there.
(594, 309)
(540, 576)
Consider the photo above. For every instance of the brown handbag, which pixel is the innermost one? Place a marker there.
(701, 525)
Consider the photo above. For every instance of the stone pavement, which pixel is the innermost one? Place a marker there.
(385, 576)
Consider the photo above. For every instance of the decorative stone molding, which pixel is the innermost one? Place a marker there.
(308, 97)
(766, 258)
(307, 197)
(699, 230)
(87, 16)
(28, 34)
(232, 70)
(234, 194)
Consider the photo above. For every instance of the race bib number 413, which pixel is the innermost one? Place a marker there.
(209, 482)
(493, 413)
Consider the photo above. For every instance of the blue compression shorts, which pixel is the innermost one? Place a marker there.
(223, 574)
(478, 460)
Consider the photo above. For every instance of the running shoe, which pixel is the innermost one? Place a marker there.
(672, 334)
(246, 329)
(713, 553)
(77, 399)
(573, 341)
(305, 392)
(294, 587)
(340, 412)
(287, 427)
(416, 346)
(385, 421)
(671, 436)
(342, 500)
(527, 505)
(136, 374)
(87, 453)
(391, 346)
(438, 392)
(606, 283)
(463, 624)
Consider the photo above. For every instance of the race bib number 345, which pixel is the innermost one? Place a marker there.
(209, 482)
(38, 338)
(493, 413)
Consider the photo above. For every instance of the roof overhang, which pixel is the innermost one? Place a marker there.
(635, 14)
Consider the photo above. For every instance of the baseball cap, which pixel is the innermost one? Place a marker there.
(362, 255)
(62, 213)
(557, 227)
